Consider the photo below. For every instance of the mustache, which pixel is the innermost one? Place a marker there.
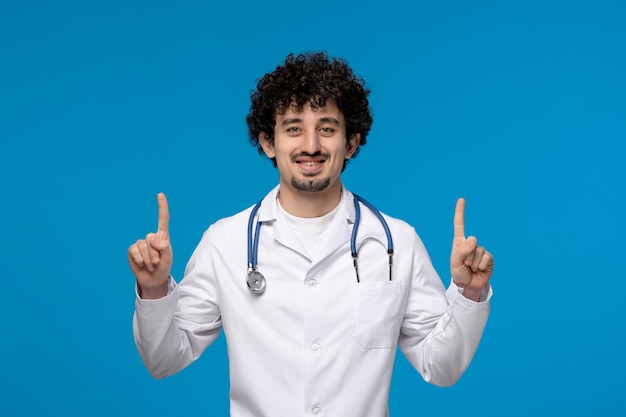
(310, 155)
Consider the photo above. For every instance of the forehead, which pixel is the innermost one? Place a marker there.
(307, 111)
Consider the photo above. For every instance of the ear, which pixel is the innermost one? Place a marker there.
(353, 144)
(268, 148)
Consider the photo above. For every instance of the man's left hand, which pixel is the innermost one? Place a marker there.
(470, 265)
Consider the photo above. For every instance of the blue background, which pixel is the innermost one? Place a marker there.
(519, 106)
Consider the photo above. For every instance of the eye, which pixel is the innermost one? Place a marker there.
(327, 130)
(293, 130)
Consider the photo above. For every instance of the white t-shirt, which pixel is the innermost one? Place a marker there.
(310, 231)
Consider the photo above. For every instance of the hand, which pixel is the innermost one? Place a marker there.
(470, 265)
(151, 258)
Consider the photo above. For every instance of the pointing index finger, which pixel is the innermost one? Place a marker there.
(164, 216)
(459, 218)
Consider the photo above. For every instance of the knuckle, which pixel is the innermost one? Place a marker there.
(135, 256)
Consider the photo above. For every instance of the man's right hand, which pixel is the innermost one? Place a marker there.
(151, 258)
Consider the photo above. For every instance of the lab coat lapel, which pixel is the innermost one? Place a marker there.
(286, 237)
(338, 234)
(281, 232)
(369, 226)
(339, 230)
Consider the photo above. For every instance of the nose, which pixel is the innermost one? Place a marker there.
(311, 142)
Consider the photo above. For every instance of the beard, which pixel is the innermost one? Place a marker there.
(310, 186)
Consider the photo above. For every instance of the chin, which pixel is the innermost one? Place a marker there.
(310, 185)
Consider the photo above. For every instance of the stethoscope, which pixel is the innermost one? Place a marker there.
(256, 281)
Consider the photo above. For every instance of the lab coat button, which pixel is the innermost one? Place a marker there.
(316, 411)
(316, 348)
(312, 283)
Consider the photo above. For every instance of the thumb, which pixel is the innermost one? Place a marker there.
(159, 244)
(464, 249)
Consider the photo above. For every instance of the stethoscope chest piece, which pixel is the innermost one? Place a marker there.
(256, 282)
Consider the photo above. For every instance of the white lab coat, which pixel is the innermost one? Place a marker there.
(316, 342)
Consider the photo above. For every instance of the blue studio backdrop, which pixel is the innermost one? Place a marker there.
(518, 106)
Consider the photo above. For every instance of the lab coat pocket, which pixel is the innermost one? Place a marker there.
(378, 309)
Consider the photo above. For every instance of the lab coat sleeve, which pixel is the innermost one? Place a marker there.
(170, 333)
(441, 329)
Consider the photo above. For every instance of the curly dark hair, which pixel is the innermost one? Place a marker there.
(312, 78)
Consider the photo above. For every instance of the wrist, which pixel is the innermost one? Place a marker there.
(152, 293)
(472, 293)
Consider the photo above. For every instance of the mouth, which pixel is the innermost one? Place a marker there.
(310, 165)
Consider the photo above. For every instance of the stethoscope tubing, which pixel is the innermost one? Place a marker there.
(253, 249)
(357, 218)
(256, 281)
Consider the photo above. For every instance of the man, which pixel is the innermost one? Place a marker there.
(317, 332)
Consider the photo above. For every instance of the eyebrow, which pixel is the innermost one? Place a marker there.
(320, 120)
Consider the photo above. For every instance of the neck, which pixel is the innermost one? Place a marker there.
(309, 204)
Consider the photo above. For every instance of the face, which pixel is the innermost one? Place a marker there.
(310, 148)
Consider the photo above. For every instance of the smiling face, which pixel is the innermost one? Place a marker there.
(310, 148)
